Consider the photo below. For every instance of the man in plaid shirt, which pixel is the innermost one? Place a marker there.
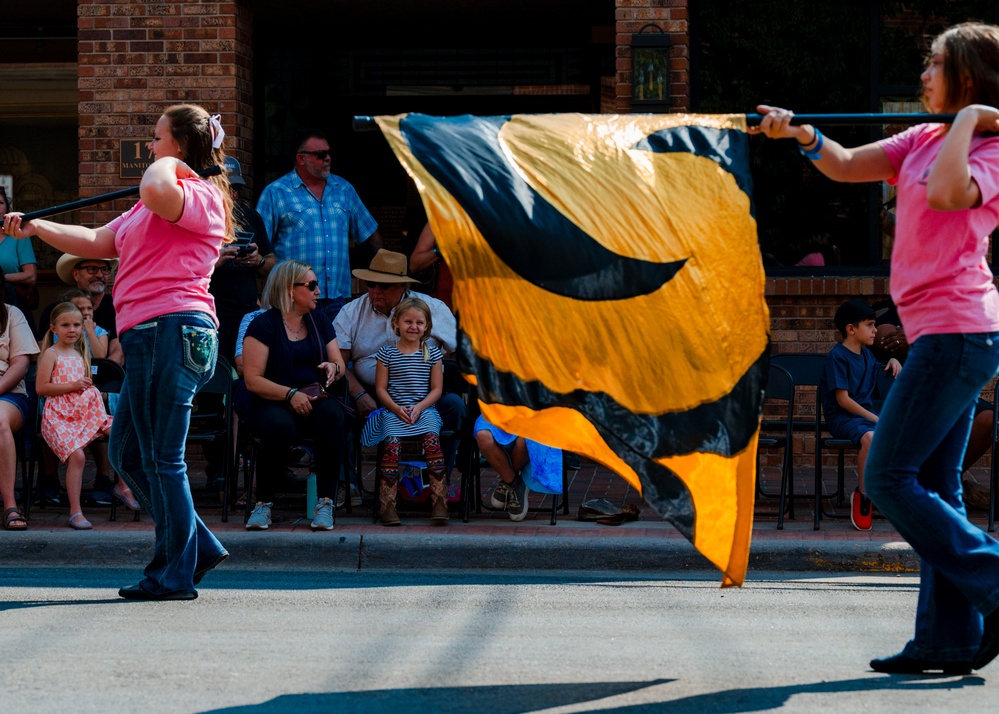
(312, 215)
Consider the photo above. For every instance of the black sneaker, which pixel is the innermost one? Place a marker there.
(516, 501)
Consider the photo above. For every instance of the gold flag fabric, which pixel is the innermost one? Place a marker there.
(609, 292)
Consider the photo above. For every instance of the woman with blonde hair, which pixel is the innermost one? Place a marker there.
(289, 350)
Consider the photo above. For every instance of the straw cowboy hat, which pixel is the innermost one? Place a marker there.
(67, 263)
(385, 267)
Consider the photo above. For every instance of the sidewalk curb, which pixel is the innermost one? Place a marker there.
(381, 552)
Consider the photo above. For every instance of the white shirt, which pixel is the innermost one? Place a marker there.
(363, 331)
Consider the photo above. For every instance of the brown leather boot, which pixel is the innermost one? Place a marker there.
(438, 499)
(386, 501)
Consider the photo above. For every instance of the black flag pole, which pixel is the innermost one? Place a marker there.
(103, 198)
(367, 123)
(859, 119)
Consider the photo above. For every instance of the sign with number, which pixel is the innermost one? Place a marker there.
(134, 158)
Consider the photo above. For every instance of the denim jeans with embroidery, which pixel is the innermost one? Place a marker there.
(167, 360)
(914, 478)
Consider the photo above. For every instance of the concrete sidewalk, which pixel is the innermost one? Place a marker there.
(489, 541)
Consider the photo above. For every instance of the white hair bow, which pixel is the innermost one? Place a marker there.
(218, 133)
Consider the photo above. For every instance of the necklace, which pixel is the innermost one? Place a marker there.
(294, 333)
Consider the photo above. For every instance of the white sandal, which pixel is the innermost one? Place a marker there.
(83, 525)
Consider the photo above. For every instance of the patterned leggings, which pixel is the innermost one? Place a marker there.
(388, 467)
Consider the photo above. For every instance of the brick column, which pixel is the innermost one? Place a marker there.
(137, 58)
(671, 16)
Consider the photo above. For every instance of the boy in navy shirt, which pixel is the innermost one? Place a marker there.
(846, 389)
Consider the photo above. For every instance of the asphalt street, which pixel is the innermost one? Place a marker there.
(272, 640)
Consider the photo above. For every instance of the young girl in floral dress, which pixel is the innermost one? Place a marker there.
(74, 413)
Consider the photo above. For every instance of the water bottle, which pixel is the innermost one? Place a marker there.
(310, 496)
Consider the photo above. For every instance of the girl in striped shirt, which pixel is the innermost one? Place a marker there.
(409, 379)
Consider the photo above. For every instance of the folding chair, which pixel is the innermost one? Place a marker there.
(805, 370)
(778, 433)
(109, 378)
(214, 421)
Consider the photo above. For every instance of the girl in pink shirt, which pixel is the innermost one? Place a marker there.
(948, 203)
(167, 246)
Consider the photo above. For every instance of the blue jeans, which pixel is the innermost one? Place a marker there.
(168, 358)
(914, 477)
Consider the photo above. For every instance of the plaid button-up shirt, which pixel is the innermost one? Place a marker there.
(302, 227)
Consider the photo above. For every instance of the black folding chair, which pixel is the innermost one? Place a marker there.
(213, 420)
(777, 433)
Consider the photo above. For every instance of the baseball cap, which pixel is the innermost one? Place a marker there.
(853, 311)
(234, 172)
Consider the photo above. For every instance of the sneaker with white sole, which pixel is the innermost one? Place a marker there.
(322, 516)
(861, 511)
(355, 496)
(501, 495)
(516, 504)
(260, 518)
(341, 496)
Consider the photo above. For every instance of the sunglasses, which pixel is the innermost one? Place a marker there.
(322, 154)
(94, 269)
(311, 285)
(382, 286)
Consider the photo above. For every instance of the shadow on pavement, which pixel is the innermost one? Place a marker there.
(513, 699)
(500, 699)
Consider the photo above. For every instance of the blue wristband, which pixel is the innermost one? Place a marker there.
(813, 154)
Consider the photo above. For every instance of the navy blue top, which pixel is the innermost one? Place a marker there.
(293, 364)
(857, 374)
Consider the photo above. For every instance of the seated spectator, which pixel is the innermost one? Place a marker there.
(891, 342)
(95, 336)
(522, 465)
(96, 340)
(74, 413)
(364, 326)
(846, 388)
(89, 275)
(19, 268)
(286, 349)
(17, 344)
(409, 381)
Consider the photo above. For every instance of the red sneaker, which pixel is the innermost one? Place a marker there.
(861, 510)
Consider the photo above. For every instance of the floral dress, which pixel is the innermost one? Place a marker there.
(71, 421)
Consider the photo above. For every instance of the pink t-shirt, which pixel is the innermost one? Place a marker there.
(166, 267)
(940, 281)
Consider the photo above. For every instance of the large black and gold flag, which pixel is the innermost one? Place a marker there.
(609, 290)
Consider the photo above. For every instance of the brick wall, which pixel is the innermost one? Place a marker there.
(137, 58)
(671, 16)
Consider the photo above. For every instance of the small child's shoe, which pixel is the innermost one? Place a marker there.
(861, 511)
(78, 522)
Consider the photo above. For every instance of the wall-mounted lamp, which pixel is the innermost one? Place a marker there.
(650, 66)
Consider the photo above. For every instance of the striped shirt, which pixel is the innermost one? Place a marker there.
(408, 383)
(301, 227)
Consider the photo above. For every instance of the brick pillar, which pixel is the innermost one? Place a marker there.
(137, 58)
(671, 16)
